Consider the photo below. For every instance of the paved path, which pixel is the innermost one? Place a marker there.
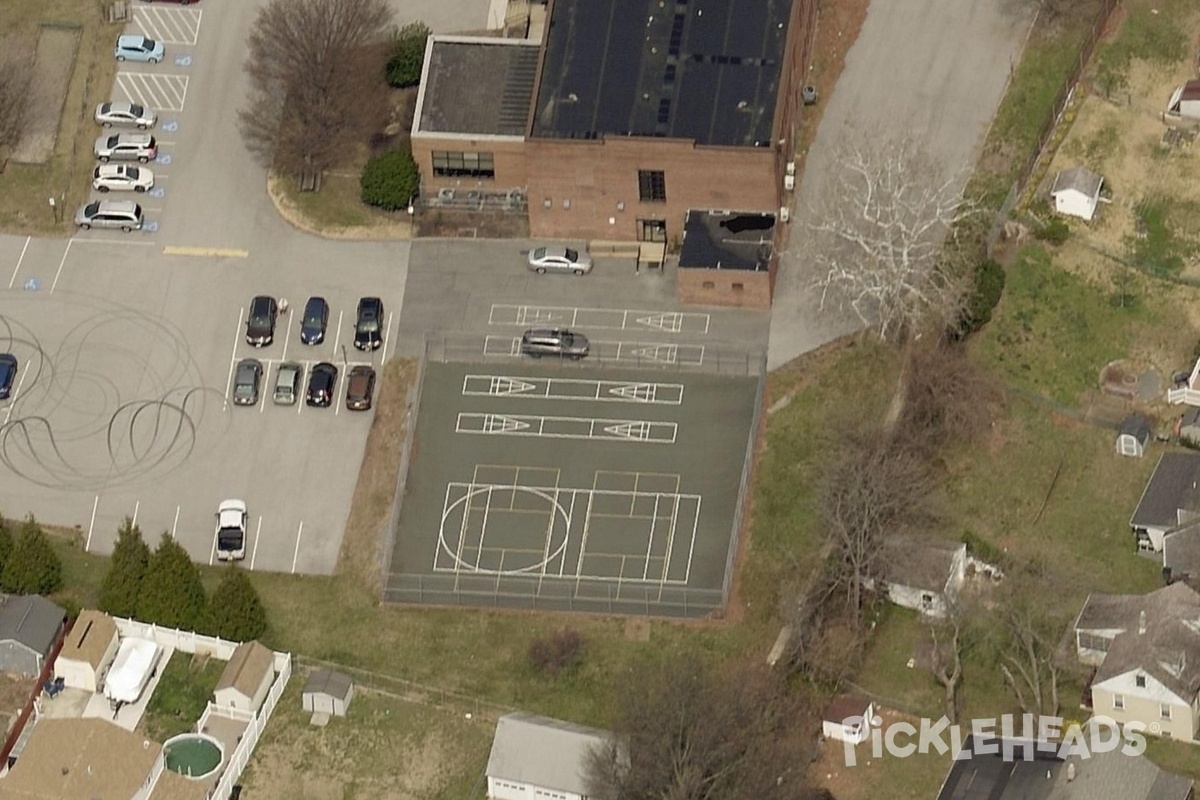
(934, 69)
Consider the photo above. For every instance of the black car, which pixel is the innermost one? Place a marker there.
(260, 325)
(359, 388)
(368, 327)
(8, 374)
(316, 317)
(245, 382)
(320, 385)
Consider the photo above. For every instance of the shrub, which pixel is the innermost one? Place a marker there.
(408, 55)
(1056, 231)
(988, 287)
(556, 653)
(389, 181)
(32, 567)
(171, 592)
(122, 583)
(235, 611)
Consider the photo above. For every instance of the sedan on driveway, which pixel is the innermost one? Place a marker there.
(132, 47)
(122, 178)
(245, 382)
(126, 147)
(314, 321)
(320, 385)
(123, 214)
(117, 112)
(8, 374)
(555, 258)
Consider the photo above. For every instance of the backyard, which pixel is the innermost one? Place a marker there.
(183, 691)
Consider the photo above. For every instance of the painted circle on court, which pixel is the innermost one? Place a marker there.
(552, 506)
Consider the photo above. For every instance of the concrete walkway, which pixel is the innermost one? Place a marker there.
(932, 69)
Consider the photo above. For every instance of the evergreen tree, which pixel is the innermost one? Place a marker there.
(171, 593)
(123, 581)
(32, 566)
(6, 547)
(235, 611)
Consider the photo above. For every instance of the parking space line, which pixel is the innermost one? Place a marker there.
(19, 260)
(87, 546)
(12, 401)
(287, 336)
(338, 336)
(163, 92)
(233, 358)
(178, 26)
(137, 506)
(257, 537)
(212, 556)
(262, 394)
(388, 340)
(296, 553)
(60, 264)
(175, 524)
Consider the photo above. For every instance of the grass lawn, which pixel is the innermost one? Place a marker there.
(337, 210)
(183, 691)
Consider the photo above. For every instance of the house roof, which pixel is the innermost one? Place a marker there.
(1181, 551)
(1137, 426)
(919, 562)
(1172, 487)
(245, 670)
(80, 759)
(543, 752)
(1113, 775)
(725, 240)
(707, 70)
(477, 85)
(1079, 179)
(990, 777)
(1169, 649)
(845, 706)
(326, 681)
(90, 638)
(1190, 416)
(31, 620)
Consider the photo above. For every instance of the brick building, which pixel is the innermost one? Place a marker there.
(625, 121)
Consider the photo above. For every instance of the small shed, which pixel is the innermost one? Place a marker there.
(1133, 436)
(1185, 102)
(328, 692)
(247, 677)
(29, 627)
(848, 719)
(1076, 192)
(88, 651)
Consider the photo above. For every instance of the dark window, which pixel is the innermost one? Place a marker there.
(709, 285)
(652, 185)
(652, 230)
(737, 287)
(449, 164)
(1141, 681)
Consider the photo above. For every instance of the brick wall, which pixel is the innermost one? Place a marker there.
(723, 287)
(508, 155)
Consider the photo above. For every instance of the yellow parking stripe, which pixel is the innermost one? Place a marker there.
(209, 252)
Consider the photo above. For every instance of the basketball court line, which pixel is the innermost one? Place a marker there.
(549, 427)
(621, 351)
(621, 319)
(541, 388)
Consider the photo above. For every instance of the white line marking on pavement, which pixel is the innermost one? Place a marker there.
(338, 336)
(212, 556)
(296, 554)
(60, 264)
(287, 336)
(19, 260)
(136, 507)
(388, 340)
(257, 537)
(12, 403)
(175, 524)
(87, 546)
(233, 358)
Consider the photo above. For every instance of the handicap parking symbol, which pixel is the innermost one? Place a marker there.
(183, 61)
(164, 159)
(158, 191)
(32, 285)
(150, 227)
(170, 127)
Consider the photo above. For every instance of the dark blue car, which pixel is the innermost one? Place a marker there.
(8, 374)
(314, 321)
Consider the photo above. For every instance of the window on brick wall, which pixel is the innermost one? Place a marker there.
(451, 164)
(652, 185)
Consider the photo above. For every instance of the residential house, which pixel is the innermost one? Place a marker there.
(922, 573)
(29, 628)
(848, 719)
(1181, 555)
(539, 757)
(88, 651)
(1076, 192)
(1033, 772)
(247, 677)
(1187, 427)
(1146, 650)
(1171, 498)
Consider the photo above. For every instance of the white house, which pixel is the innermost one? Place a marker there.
(1185, 102)
(923, 574)
(1076, 192)
(1170, 500)
(247, 677)
(88, 651)
(538, 757)
(848, 719)
(327, 692)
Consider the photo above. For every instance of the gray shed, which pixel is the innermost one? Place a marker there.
(29, 627)
(328, 692)
(1133, 436)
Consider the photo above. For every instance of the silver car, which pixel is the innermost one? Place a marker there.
(554, 342)
(122, 178)
(556, 258)
(287, 383)
(123, 214)
(126, 147)
(117, 112)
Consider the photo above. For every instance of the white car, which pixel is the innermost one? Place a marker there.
(231, 530)
(126, 147)
(130, 114)
(122, 178)
(555, 258)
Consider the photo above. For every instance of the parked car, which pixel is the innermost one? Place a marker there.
(133, 47)
(556, 258)
(122, 178)
(320, 385)
(8, 374)
(123, 214)
(554, 342)
(118, 112)
(359, 388)
(182, 3)
(368, 326)
(126, 147)
(287, 383)
(314, 321)
(245, 382)
(231, 530)
(260, 324)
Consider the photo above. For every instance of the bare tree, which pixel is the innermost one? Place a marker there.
(316, 76)
(16, 94)
(944, 397)
(1029, 638)
(951, 637)
(684, 731)
(825, 642)
(878, 236)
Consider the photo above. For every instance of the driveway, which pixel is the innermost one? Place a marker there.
(933, 69)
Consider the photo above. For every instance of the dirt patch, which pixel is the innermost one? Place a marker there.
(448, 223)
(56, 47)
(14, 693)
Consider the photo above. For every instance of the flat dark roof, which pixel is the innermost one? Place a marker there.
(990, 777)
(706, 70)
(729, 240)
(482, 87)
